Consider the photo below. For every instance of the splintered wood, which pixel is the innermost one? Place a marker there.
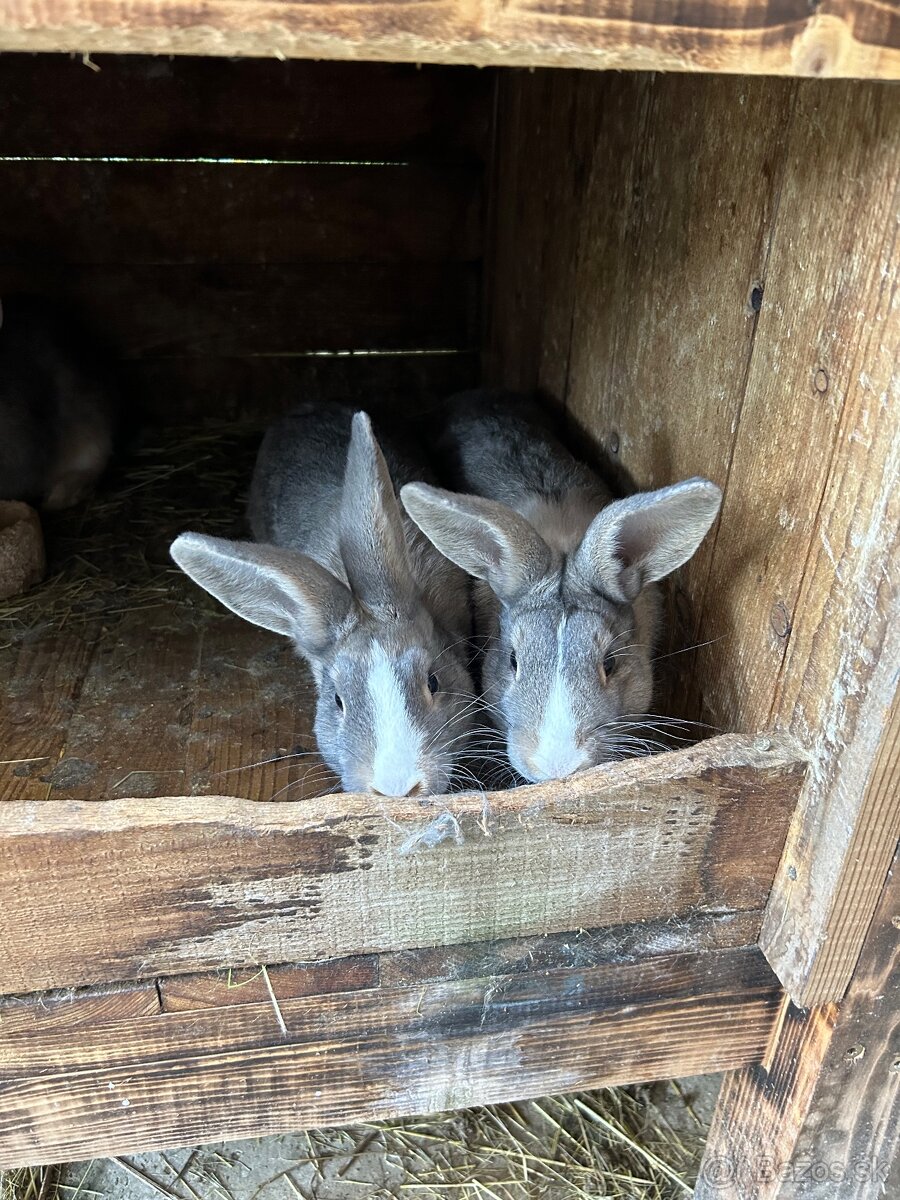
(178, 885)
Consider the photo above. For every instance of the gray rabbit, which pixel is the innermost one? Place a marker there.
(565, 601)
(56, 415)
(381, 617)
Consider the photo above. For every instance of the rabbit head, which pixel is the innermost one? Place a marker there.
(569, 660)
(395, 700)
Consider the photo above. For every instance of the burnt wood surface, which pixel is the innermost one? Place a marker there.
(820, 1117)
(159, 1065)
(833, 37)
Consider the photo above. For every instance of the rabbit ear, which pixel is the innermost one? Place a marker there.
(373, 541)
(642, 538)
(277, 589)
(485, 538)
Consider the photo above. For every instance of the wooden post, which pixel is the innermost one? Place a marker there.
(820, 1117)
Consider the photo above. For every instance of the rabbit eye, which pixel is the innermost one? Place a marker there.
(514, 661)
(339, 701)
(609, 665)
(433, 683)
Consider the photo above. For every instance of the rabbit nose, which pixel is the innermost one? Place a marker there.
(559, 766)
(415, 789)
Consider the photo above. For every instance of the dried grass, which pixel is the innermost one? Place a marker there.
(29, 1183)
(110, 555)
(613, 1142)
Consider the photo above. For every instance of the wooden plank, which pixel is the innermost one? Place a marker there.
(663, 326)
(241, 309)
(66, 1014)
(262, 389)
(821, 1116)
(673, 369)
(583, 948)
(540, 180)
(170, 1079)
(251, 727)
(837, 37)
(41, 680)
(128, 735)
(180, 108)
(188, 993)
(162, 886)
(699, 932)
(808, 557)
(113, 213)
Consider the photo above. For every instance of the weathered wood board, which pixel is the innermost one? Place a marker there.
(223, 228)
(835, 37)
(87, 1075)
(820, 1117)
(197, 212)
(55, 104)
(734, 314)
(183, 884)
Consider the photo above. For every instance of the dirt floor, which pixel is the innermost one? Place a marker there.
(629, 1143)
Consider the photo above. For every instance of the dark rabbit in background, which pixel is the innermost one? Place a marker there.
(566, 601)
(56, 406)
(381, 617)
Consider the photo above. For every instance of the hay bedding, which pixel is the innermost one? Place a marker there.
(622, 1143)
(110, 555)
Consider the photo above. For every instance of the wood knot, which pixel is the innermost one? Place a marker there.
(820, 381)
(779, 620)
(824, 47)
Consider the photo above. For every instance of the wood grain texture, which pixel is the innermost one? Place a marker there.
(819, 632)
(837, 37)
(146, 212)
(174, 886)
(261, 388)
(268, 309)
(676, 227)
(184, 108)
(76, 1088)
(42, 678)
(821, 1117)
(160, 702)
(539, 189)
(707, 201)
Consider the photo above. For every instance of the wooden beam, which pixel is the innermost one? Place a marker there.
(836, 37)
(264, 213)
(820, 1117)
(79, 1081)
(243, 310)
(819, 638)
(178, 885)
(251, 108)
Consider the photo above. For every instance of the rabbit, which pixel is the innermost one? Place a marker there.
(381, 617)
(566, 600)
(56, 408)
